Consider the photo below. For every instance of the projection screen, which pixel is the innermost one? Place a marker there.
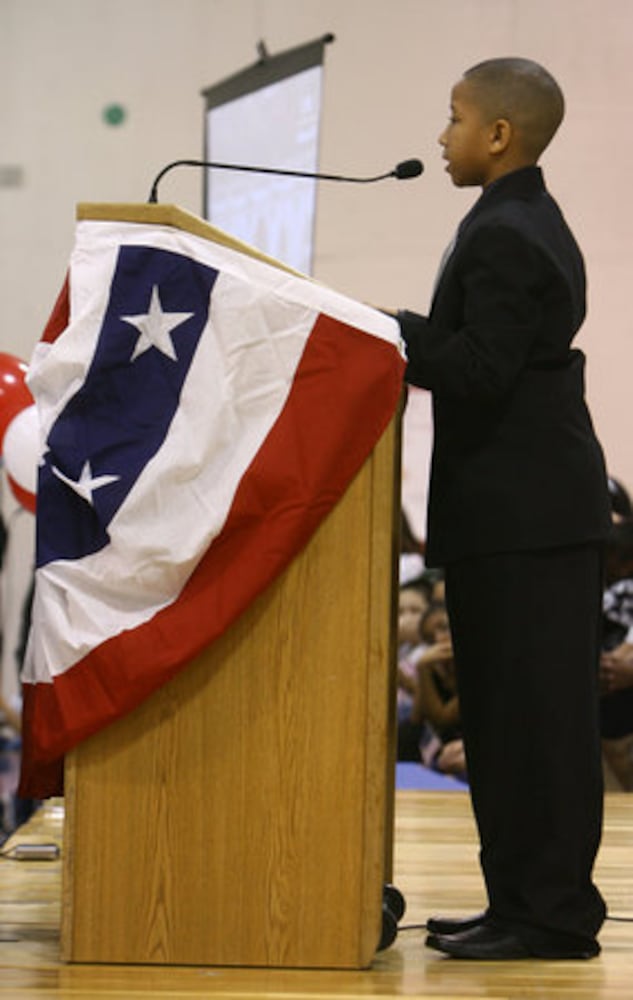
(268, 116)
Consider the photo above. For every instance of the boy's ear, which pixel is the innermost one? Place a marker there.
(500, 135)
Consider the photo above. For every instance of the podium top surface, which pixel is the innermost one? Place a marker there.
(178, 218)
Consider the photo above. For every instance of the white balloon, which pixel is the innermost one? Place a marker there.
(21, 449)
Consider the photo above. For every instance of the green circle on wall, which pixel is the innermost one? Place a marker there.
(114, 114)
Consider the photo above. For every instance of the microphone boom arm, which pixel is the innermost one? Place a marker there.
(406, 169)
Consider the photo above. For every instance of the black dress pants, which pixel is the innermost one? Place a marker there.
(525, 629)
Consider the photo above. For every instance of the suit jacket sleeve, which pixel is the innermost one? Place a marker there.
(498, 282)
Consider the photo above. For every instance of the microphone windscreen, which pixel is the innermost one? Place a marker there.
(408, 168)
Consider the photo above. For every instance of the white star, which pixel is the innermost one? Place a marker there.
(155, 327)
(87, 483)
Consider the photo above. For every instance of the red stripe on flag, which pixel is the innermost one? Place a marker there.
(59, 317)
(346, 390)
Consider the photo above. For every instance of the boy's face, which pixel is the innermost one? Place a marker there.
(466, 140)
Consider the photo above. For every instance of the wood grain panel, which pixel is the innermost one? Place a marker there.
(238, 817)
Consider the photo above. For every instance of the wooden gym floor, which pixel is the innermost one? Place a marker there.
(435, 868)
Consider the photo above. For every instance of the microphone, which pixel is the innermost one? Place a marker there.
(406, 169)
(402, 171)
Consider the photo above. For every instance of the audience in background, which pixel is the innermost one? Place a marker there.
(437, 699)
(423, 641)
(428, 700)
(414, 599)
(616, 664)
(621, 506)
(14, 810)
(10, 725)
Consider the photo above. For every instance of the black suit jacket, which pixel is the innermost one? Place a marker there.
(516, 463)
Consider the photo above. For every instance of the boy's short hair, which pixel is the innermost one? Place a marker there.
(523, 92)
(620, 541)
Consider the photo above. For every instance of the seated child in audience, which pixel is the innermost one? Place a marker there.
(437, 699)
(412, 605)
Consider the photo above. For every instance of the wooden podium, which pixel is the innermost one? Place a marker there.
(243, 814)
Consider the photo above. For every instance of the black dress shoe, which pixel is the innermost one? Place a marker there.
(482, 942)
(492, 943)
(453, 925)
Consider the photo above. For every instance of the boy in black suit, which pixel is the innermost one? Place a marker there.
(518, 511)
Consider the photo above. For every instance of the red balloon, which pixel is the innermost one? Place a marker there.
(15, 395)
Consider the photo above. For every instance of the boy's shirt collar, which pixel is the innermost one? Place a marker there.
(527, 180)
(523, 183)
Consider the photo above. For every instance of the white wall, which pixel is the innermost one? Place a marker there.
(387, 80)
